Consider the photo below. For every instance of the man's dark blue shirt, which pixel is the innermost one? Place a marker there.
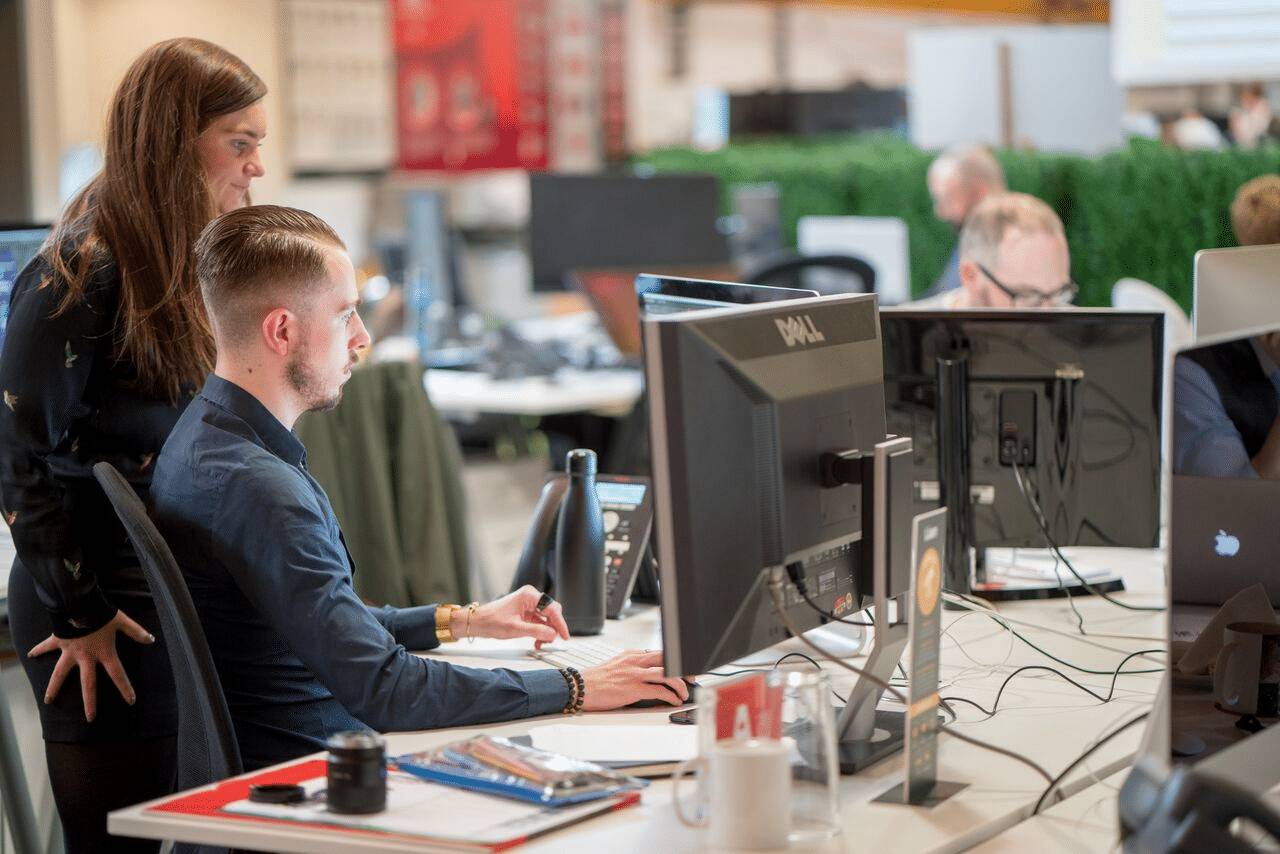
(300, 656)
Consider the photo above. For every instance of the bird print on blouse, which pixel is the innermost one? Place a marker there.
(70, 356)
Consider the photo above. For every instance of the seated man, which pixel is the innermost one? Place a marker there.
(299, 655)
(958, 180)
(1226, 418)
(1013, 254)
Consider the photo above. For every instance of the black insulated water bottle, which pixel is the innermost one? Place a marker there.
(579, 578)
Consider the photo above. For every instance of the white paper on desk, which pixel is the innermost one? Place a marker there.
(605, 743)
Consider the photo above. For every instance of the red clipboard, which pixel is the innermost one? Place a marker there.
(209, 803)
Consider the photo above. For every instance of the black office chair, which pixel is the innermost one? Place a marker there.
(845, 274)
(207, 748)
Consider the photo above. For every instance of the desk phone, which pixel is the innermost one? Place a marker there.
(626, 504)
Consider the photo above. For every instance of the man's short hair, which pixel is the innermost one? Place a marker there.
(995, 216)
(975, 166)
(1255, 212)
(251, 257)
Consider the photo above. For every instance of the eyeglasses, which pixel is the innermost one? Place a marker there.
(1032, 297)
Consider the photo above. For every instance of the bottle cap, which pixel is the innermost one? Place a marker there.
(581, 461)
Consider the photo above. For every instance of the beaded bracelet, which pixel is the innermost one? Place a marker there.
(580, 695)
(573, 690)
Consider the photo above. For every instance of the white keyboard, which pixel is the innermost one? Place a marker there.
(577, 653)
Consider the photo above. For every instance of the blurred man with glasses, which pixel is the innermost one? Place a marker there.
(1013, 254)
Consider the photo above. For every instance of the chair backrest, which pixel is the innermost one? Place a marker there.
(881, 241)
(207, 747)
(826, 274)
(1137, 295)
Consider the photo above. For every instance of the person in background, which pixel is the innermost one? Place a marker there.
(1251, 122)
(1226, 419)
(107, 341)
(1013, 254)
(1255, 212)
(958, 180)
(1192, 131)
(1226, 409)
(299, 655)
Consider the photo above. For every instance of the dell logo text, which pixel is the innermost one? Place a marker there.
(799, 330)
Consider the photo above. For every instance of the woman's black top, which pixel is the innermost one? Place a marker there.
(68, 404)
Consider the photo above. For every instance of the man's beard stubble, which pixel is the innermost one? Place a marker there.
(303, 381)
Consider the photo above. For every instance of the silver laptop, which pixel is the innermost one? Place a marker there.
(1235, 289)
(1225, 537)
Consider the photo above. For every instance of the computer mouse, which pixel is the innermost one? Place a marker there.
(650, 704)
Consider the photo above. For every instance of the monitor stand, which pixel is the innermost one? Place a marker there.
(864, 734)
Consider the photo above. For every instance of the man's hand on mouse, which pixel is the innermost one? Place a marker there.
(633, 676)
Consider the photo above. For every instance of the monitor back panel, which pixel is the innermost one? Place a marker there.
(1096, 466)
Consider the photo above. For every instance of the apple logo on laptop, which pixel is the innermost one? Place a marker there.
(1225, 544)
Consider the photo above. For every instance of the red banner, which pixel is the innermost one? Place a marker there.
(471, 81)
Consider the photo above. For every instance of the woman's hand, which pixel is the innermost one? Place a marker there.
(515, 615)
(87, 653)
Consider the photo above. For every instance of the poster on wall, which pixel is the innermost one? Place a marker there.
(471, 84)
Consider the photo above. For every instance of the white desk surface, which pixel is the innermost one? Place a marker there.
(1083, 824)
(1040, 716)
(609, 392)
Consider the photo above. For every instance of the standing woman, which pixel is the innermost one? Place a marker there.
(107, 341)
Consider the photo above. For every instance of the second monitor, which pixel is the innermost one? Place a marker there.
(1067, 400)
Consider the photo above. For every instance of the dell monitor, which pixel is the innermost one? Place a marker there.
(1069, 399)
(1235, 290)
(18, 245)
(603, 221)
(743, 403)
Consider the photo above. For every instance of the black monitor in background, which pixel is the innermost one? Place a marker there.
(671, 294)
(602, 221)
(19, 243)
(659, 295)
(743, 404)
(1072, 396)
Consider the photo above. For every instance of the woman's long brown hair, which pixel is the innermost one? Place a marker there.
(147, 207)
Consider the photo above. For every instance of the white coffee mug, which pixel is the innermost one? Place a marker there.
(748, 786)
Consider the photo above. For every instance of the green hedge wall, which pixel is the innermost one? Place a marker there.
(1142, 211)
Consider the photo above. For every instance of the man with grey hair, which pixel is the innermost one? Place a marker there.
(1013, 254)
(959, 179)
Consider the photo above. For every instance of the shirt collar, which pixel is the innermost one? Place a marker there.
(274, 435)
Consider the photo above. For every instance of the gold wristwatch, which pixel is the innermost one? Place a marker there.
(444, 615)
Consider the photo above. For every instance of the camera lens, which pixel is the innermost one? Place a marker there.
(357, 773)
